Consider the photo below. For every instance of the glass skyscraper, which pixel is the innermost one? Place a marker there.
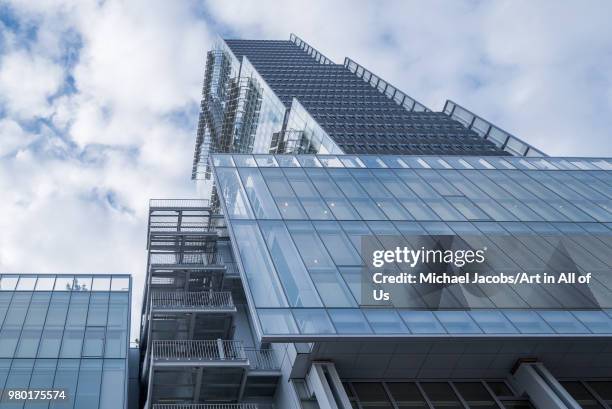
(66, 334)
(257, 293)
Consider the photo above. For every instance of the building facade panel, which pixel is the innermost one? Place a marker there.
(66, 333)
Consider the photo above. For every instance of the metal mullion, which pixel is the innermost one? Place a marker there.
(598, 398)
(357, 400)
(424, 395)
(389, 395)
(495, 398)
(463, 402)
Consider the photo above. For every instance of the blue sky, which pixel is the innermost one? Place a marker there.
(99, 99)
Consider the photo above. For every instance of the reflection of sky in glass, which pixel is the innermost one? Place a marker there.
(308, 215)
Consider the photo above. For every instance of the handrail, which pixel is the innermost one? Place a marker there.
(486, 130)
(192, 300)
(206, 350)
(263, 359)
(313, 52)
(384, 87)
(179, 203)
(196, 227)
(205, 406)
(186, 258)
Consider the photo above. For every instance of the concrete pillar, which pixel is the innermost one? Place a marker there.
(325, 383)
(544, 391)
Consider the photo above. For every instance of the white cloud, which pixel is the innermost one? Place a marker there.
(27, 82)
(13, 137)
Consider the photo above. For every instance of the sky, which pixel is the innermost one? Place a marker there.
(99, 99)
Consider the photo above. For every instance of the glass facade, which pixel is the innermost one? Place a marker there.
(65, 332)
(360, 112)
(298, 223)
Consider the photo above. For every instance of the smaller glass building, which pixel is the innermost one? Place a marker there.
(65, 332)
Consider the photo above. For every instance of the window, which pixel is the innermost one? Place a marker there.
(258, 267)
(298, 286)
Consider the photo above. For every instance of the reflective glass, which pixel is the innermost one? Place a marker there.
(528, 322)
(277, 321)
(385, 321)
(457, 322)
(298, 286)
(422, 322)
(258, 267)
(349, 321)
(313, 321)
(261, 201)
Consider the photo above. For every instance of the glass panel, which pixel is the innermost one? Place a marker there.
(407, 395)
(120, 284)
(90, 379)
(563, 322)
(258, 268)
(493, 322)
(298, 286)
(63, 283)
(372, 395)
(244, 161)
(476, 395)
(66, 377)
(308, 195)
(117, 326)
(333, 196)
(101, 284)
(458, 322)
(582, 395)
(349, 321)
(311, 321)
(8, 282)
(528, 322)
(385, 321)
(93, 345)
(422, 322)
(233, 194)
(441, 395)
(288, 204)
(357, 195)
(54, 326)
(261, 201)
(223, 160)
(277, 321)
(309, 161)
(330, 285)
(45, 283)
(42, 378)
(18, 378)
(287, 161)
(337, 244)
(81, 284)
(266, 161)
(26, 283)
(13, 322)
(597, 322)
(113, 383)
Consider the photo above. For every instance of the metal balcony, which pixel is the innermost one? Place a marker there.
(172, 301)
(196, 260)
(178, 204)
(206, 406)
(263, 359)
(200, 353)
